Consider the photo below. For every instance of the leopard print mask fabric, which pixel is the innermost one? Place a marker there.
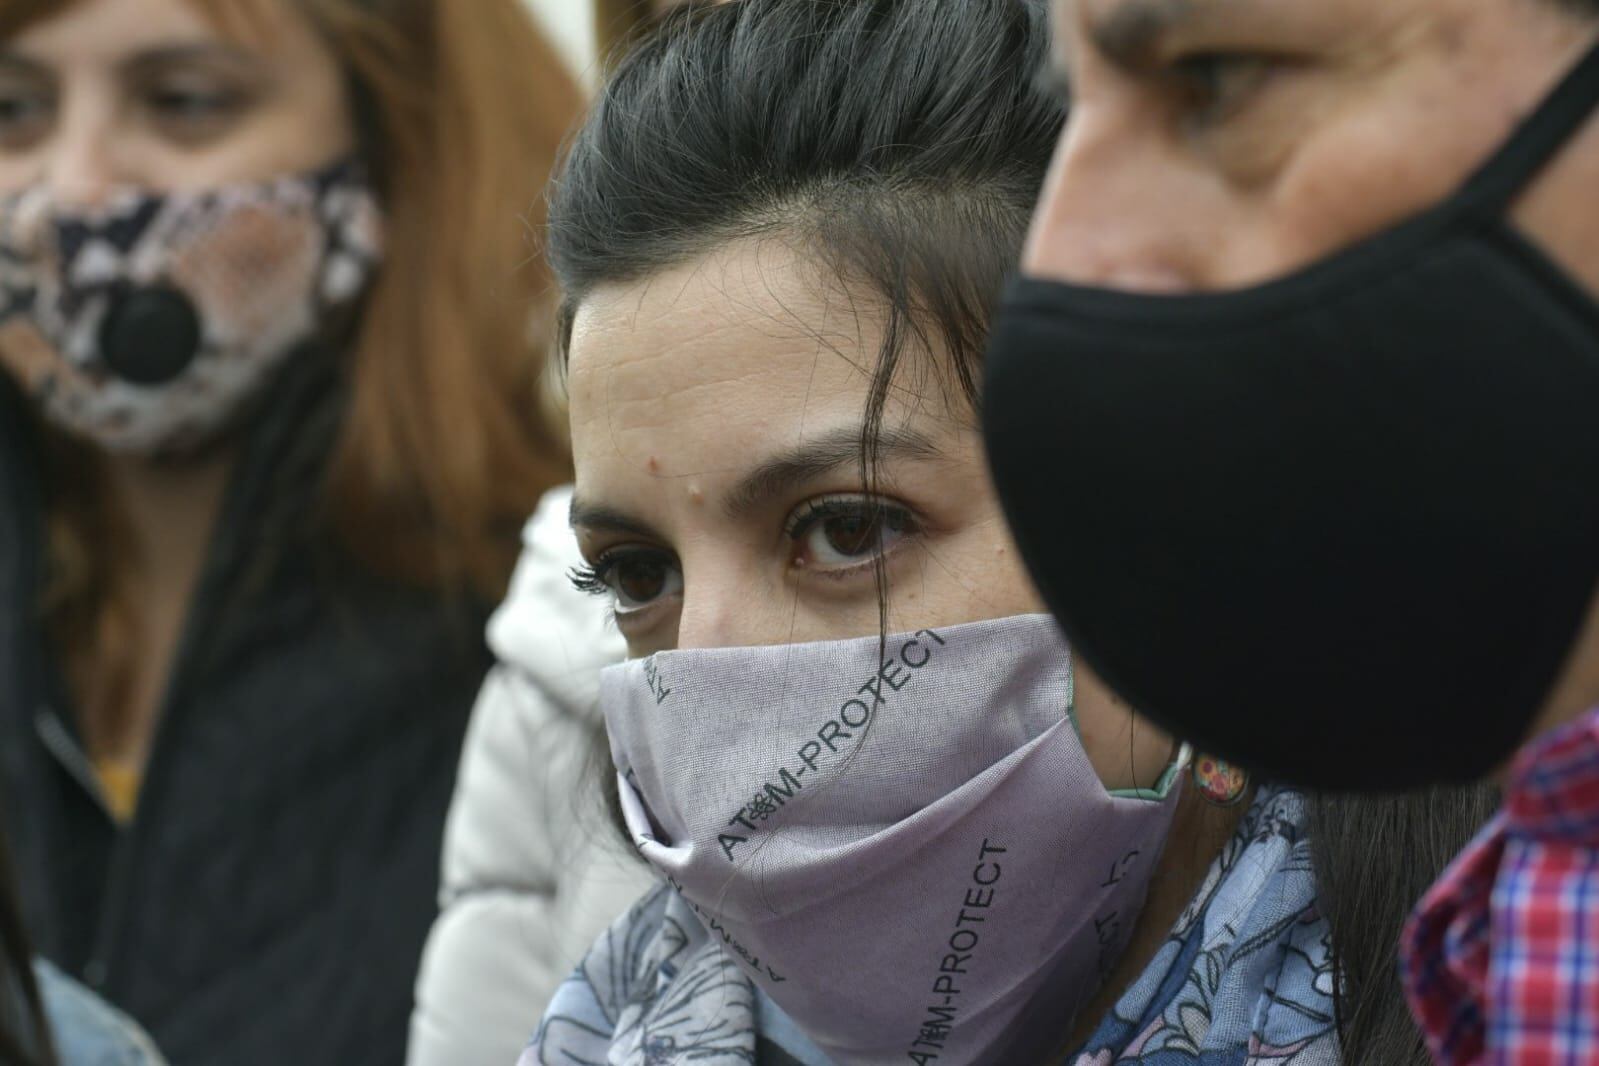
(262, 267)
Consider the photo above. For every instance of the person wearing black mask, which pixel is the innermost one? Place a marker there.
(1293, 415)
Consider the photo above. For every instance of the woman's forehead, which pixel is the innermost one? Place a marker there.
(755, 322)
(748, 319)
(703, 366)
(237, 21)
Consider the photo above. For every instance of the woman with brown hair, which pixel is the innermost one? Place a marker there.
(268, 429)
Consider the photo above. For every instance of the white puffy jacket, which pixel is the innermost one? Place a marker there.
(533, 871)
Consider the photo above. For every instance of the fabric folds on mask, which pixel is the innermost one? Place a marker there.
(147, 324)
(1342, 527)
(908, 854)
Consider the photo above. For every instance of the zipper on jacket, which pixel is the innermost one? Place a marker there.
(111, 927)
(59, 742)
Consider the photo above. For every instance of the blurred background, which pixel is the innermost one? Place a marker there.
(569, 25)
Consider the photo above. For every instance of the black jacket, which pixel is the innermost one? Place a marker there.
(269, 902)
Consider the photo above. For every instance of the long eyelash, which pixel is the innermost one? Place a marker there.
(590, 580)
(594, 578)
(820, 510)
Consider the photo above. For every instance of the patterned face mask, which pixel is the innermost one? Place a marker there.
(146, 325)
(902, 842)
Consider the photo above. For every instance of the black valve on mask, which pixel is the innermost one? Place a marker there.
(150, 335)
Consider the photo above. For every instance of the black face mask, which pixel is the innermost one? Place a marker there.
(1342, 527)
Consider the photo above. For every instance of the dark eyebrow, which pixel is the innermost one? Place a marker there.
(775, 476)
(210, 53)
(598, 519)
(1131, 35)
(786, 471)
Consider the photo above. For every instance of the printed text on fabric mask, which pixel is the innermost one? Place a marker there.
(845, 725)
(963, 943)
(1108, 926)
(835, 835)
(652, 678)
(716, 927)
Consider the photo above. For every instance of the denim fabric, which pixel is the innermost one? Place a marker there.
(87, 1031)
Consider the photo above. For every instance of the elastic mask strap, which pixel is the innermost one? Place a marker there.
(1537, 140)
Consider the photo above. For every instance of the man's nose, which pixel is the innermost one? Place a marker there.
(1121, 209)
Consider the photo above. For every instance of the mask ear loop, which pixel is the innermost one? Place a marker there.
(1539, 139)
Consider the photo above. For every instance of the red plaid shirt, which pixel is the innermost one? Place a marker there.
(1501, 958)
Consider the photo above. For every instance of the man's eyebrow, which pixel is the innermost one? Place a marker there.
(599, 519)
(823, 455)
(1131, 34)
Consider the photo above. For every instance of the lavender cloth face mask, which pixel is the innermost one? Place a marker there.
(914, 857)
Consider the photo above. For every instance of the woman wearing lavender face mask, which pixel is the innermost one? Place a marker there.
(895, 821)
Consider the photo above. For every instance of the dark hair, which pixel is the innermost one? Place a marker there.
(903, 144)
(1374, 856)
(900, 141)
(24, 1038)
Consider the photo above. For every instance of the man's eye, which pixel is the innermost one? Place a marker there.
(1214, 86)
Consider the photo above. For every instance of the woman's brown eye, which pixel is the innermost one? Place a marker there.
(641, 581)
(839, 534)
(194, 105)
(851, 535)
(193, 114)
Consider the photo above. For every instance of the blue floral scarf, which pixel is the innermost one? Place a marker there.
(1245, 979)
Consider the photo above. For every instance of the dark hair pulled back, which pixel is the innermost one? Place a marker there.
(903, 144)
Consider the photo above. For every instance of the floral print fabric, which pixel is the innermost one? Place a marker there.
(1245, 979)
